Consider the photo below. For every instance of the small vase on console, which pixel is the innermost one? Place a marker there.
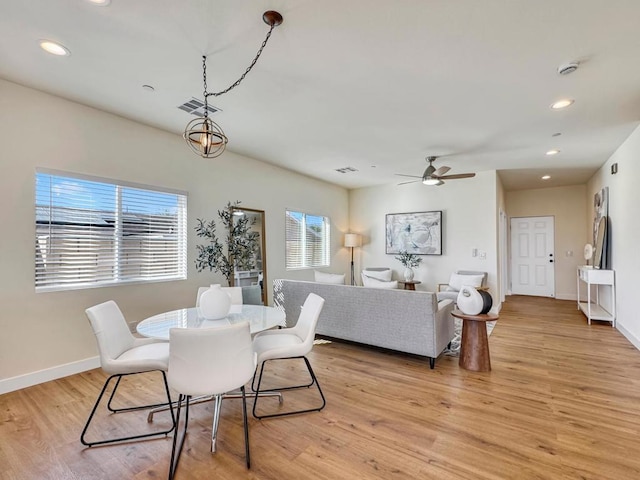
(215, 303)
(408, 274)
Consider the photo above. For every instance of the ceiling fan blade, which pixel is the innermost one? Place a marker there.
(403, 175)
(441, 171)
(459, 175)
(412, 181)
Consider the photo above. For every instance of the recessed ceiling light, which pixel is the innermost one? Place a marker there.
(100, 3)
(557, 134)
(564, 103)
(546, 177)
(54, 48)
(554, 151)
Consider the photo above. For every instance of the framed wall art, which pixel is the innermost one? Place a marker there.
(417, 232)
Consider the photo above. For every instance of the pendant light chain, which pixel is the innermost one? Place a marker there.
(237, 82)
(203, 135)
(204, 81)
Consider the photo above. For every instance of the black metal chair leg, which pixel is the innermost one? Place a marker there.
(246, 428)
(314, 380)
(118, 377)
(173, 464)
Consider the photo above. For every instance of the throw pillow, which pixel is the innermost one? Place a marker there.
(333, 278)
(384, 275)
(375, 283)
(457, 281)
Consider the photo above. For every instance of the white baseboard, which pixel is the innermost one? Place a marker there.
(567, 296)
(635, 341)
(23, 381)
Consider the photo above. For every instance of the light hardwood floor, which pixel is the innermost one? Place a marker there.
(562, 402)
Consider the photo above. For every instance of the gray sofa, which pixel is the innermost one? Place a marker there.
(402, 320)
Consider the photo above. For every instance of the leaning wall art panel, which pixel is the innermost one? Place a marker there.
(418, 232)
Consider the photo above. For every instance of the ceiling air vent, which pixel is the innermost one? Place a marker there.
(196, 107)
(346, 170)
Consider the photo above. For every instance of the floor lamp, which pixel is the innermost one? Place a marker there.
(352, 240)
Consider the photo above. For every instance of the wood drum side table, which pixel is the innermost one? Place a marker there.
(410, 285)
(474, 345)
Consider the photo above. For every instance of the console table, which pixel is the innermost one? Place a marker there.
(592, 308)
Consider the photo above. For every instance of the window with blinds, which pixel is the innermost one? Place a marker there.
(307, 240)
(93, 232)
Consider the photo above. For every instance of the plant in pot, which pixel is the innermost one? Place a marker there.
(238, 248)
(409, 261)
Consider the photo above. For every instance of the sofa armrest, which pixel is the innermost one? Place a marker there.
(445, 324)
(443, 304)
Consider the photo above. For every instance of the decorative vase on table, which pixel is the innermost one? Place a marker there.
(215, 303)
(473, 302)
(408, 274)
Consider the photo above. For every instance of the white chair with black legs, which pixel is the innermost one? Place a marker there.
(122, 354)
(289, 343)
(209, 361)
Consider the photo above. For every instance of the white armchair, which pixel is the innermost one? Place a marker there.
(449, 291)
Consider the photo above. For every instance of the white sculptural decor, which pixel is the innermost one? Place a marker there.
(473, 302)
(215, 303)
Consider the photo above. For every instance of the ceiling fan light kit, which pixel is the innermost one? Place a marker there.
(433, 176)
(204, 136)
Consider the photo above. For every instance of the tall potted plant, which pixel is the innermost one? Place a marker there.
(409, 261)
(237, 249)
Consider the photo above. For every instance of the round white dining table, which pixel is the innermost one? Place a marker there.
(259, 317)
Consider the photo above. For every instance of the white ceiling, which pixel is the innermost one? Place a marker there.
(373, 85)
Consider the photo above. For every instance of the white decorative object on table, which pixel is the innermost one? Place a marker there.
(408, 274)
(215, 303)
(473, 302)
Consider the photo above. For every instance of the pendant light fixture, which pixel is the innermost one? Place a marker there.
(203, 135)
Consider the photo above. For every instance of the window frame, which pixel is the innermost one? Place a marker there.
(122, 268)
(326, 241)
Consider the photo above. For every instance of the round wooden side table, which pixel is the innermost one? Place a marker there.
(410, 285)
(474, 345)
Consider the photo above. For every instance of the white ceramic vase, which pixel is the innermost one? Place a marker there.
(473, 302)
(408, 274)
(215, 303)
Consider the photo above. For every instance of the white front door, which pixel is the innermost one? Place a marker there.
(532, 256)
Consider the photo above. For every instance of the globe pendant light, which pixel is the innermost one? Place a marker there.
(203, 135)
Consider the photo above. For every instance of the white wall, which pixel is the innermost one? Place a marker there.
(624, 202)
(48, 332)
(567, 206)
(469, 221)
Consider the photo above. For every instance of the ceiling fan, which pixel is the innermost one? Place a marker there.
(435, 176)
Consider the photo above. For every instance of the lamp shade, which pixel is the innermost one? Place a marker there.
(352, 240)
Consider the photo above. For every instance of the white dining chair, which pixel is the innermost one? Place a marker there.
(209, 361)
(234, 292)
(122, 354)
(288, 343)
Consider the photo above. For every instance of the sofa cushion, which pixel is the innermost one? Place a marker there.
(384, 275)
(333, 278)
(457, 281)
(375, 283)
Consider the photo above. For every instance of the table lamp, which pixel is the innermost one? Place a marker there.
(352, 240)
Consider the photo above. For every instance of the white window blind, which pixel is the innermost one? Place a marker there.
(93, 233)
(307, 240)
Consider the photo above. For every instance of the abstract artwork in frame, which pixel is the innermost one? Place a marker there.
(418, 232)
